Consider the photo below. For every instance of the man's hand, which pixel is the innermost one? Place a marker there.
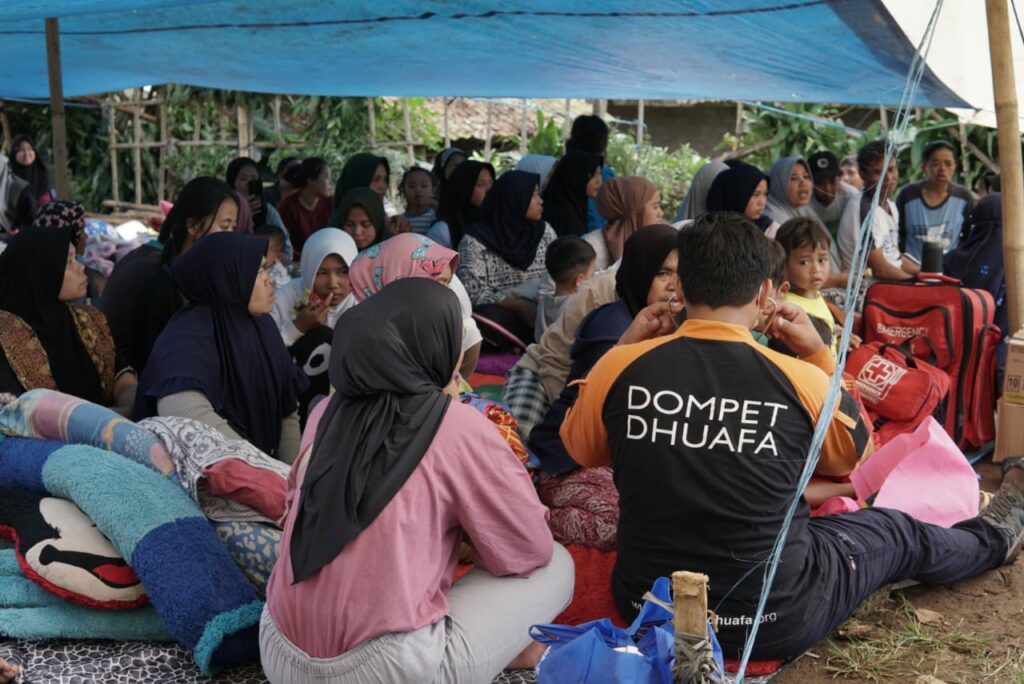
(793, 328)
(653, 321)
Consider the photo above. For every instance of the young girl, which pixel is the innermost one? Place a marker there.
(361, 214)
(628, 204)
(462, 195)
(417, 187)
(311, 205)
(742, 189)
(307, 308)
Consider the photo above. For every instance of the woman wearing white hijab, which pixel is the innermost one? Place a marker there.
(695, 202)
(790, 189)
(540, 164)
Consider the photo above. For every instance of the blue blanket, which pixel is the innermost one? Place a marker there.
(200, 595)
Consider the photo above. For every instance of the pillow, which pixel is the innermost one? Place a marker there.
(261, 489)
(60, 549)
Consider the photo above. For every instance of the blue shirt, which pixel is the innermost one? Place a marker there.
(919, 222)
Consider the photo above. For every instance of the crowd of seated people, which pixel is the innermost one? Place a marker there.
(321, 309)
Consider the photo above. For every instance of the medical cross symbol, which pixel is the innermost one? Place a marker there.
(877, 377)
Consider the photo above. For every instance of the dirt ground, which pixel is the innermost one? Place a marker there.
(972, 631)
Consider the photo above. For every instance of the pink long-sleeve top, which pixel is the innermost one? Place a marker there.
(393, 576)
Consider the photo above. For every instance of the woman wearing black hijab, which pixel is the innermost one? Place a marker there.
(504, 250)
(742, 189)
(221, 359)
(398, 474)
(646, 275)
(576, 177)
(462, 195)
(47, 341)
(29, 166)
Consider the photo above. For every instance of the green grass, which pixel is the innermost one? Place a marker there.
(887, 642)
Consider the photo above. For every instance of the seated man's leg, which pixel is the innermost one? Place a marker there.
(491, 616)
(875, 547)
(525, 398)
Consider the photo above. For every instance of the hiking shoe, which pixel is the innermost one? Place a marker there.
(1006, 511)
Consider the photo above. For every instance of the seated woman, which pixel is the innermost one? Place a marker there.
(311, 205)
(30, 167)
(540, 164)
(243, 176)
(415, 256)
(503, 250)
(221, 360)
(628, 203)
(47, 342)
(462, 195)
(140, 296)
(695, 202)
(398, 475)
(742, 189)
(367, 170)
(445, 163)
(361, 214)
(17, 207)
(306, 309)
(576, 177)
(790, 191)
(646, 275)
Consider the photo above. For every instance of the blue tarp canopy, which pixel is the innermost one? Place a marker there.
(841, 51)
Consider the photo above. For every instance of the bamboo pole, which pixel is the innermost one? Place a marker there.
(739, 126)
(639, 122)
(567, 124)
(410, 151)
(137, 154)
(372, 110)
(487, 132)
(115, 175)
(276, 105)
(524, 130)
(1012, 178)
(447, 134)
(5, 125)
(690, 603)
(57, 119)
(244, 131)
(161, 187)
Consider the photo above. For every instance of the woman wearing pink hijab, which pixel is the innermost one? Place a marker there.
(409, 255)
(629, 203)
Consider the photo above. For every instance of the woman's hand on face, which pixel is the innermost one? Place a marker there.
(452, 388)
(311, 317)
(793, 327)
(399, 224)
(653, 321)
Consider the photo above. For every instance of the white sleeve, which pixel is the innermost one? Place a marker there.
(470, 331)
(286, 299)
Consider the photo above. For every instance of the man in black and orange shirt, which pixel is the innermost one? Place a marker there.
(708, 431)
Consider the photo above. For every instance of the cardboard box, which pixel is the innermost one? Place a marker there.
(1009, 431)
(1013, 383)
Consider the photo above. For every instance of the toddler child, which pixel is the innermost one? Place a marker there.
(807, 243)
(570, 261)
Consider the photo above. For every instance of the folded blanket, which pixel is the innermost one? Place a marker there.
(47, 414)
(252, 485)
(202, 598)
(27, 611)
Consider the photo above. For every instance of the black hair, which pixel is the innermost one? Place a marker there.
(285, 164)
(778, 265)
(723, 260)
(567, 257)
(236, 166)
(821, 326)
(933, 147)
(847, 160)
(415, 169)
(271, 232)
(198, 201)
(991, 182)
(800, 231)
(299, 176)
(589, 134)
(871, 152)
